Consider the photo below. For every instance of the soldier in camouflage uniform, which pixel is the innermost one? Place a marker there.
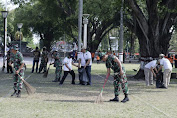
(58, 64)
(9, 68)
(44, 60)
(17, 60)
(120, 79)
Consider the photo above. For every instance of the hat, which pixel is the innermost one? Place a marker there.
(15, 47)
(83, 48)
(102, 55)
(70, 54)
(161, 55)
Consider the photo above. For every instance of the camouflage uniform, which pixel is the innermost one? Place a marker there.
(58, 65)
(118, 80)
(9, 68)
(17, 60)
(44, 60)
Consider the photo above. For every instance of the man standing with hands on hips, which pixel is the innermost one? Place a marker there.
(88, 63)
(18, 64)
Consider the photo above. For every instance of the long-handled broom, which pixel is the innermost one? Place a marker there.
(99, 98)
(29, 89)
(46, 73)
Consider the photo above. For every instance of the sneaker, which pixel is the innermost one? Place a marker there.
(125, 99)
(116, 99)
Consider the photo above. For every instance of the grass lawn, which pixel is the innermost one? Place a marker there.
(76, 101)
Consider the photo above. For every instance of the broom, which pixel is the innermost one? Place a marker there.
(29, 89)
(99, 98)
(46, 73)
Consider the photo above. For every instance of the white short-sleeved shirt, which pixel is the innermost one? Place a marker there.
(87, 55)
(80, 56)
(165, 63)
(151, 64)
(68, 62)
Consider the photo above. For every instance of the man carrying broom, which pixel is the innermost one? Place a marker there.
(120, 79)
(17, 60)
(58, 64)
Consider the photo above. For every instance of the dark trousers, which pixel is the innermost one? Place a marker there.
(88, 71)
(35, 62)
(65, 75)
(175, 63)
(9, 68)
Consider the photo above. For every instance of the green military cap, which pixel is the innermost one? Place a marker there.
(15, 47)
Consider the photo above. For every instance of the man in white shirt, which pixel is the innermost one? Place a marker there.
(86, 62)
(149, 72)
(167, 70)
(67, 68)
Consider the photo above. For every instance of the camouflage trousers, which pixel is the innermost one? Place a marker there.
(43, 65)
(120, 82)
(17, 81)
(58, 72)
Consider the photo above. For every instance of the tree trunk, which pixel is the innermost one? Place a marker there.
(153, 31)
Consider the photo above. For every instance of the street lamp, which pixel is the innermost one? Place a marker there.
(19, 25)
(85, 21)
(4, 15)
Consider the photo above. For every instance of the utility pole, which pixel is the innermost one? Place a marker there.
(80, 24)
(5, 33)
(121, 34)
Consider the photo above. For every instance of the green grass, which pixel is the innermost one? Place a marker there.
(75, 101)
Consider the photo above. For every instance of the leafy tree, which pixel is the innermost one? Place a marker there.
(37, 19)
(154, 20)
(64, 13)
(153, 24)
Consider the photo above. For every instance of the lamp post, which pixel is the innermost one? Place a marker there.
(80, 24)
(19, 25)
(85, 21)
(4, 15)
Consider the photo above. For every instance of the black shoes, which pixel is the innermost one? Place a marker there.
(60, 84)
(116, 99)
(14, 93)
(56, 80)
(73, 82)
(163, 87)
(19, 94)
(125, 99)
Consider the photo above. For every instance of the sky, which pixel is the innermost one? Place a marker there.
(11, 6)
